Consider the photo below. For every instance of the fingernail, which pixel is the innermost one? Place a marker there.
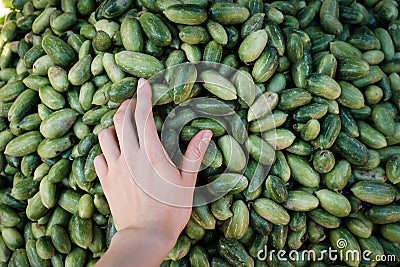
(141, 83)
(207, 134)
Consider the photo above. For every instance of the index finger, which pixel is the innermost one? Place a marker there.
(146, 127)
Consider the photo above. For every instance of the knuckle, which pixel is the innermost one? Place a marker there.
(119, 117)
(141, 115)
(155, 157)
(196, 153)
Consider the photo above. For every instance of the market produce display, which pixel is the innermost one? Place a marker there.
(303, 99)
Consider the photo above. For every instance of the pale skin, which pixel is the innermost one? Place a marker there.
(147, 228)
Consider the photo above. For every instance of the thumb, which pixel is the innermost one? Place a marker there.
(194, 155)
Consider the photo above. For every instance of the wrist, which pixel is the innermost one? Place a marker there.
(153, 235)
(143, 246)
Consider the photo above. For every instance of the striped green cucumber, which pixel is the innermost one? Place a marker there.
(187, 14)
(229, 13)
(259, 224)
(263, 105)
(10, 91)
(33, 256)
(198, 257)
(376, 193)
(311, 111)
(279, 236)
(194, 35)
(181, 248)
(252, 46)
(217, 32)
(293, 98)
(276, 189)
(324, 86)
(302, 171)
(218, 85)
(45, 248)
(281, 168)
(227, 182)
(334, 203)
(80, 71)
(236, 226)
(221, 208)
(324, 218)
(138, 64)
(234, 157)
(25, 189)
(370, 136)
(24, 144)
(300, 201)
(50, 148)
(132, 35)
(59, 51)
(352, 68)
(298, 221)
(256, 175)
(48, 193)
(80, 231)
(51, 98)
(359, 225)
(215, 126)
(194, 231)
(271, 211)
(371, 244)
(202, 216)
(22, 105)
(76, 257)
(392, 169)
(323, 161)
(383, 123)
(234, 252)
(310, 130)
(337, 237)
(246, 89)
(260, 150)
(181, 82)
(350, 97)
(58, 123)
(266, 65)
(9, 218)
(35, 208)
(275, 37)
(351, 149)
(155, 29)
(339, 176)
(123, 89)
(60, 238)
(269, 122)
(294, 47)
(390, 232)
(327, 65)
(349, 124)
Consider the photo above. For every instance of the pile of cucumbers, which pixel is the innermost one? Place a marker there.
(303, 98)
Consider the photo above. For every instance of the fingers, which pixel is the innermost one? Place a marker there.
(124, 125)
(100, 165)
(109, 144)
(145, 124)
(194, 155)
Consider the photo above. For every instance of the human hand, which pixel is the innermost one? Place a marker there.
(134, 161)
